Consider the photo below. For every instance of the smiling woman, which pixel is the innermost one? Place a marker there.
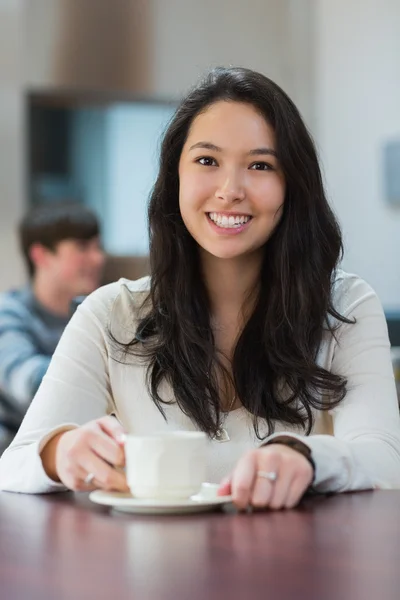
(247, 330)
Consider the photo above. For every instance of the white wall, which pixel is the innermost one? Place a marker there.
(184, 38)
(357, 50)
(12, 148)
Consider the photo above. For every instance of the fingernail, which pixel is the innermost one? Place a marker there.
(121, 438)
(225, 481)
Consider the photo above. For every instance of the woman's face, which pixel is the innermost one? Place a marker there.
(231, 187)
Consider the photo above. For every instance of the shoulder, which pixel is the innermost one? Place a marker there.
(14, 302)
(118, 305)
(350, 292)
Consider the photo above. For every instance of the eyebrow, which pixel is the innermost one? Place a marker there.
(214, 148)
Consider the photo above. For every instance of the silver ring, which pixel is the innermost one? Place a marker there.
(270, 475)
(89, 478)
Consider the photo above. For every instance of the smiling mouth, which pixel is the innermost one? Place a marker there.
(231, 222)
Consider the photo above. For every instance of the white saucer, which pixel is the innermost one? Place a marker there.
(127, 503)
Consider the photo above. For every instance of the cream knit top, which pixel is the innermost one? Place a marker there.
(355, 446)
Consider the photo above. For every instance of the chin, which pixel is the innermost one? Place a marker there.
(88, 287)
(233, 252)
(225, 254)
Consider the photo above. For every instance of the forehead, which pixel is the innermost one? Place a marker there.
(74, 243)
(233, 123)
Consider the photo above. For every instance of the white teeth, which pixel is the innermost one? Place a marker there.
(228, 222)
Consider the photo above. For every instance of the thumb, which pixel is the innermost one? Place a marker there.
(224, 487)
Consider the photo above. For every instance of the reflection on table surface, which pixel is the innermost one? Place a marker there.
(330, 548)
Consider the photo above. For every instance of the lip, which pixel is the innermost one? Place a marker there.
(225, 230)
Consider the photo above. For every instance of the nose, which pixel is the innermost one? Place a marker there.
(231, 189)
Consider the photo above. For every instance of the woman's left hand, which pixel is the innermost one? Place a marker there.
(249, 483)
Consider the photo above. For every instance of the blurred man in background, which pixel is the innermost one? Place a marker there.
(62, 249)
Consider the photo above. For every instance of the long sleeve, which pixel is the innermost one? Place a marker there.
(75, 390)
(84, 383)
(364, 451)
(22, 365)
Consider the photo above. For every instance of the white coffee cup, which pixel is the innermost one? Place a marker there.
(166, 465)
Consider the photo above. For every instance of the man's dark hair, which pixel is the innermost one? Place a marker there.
(50, 224)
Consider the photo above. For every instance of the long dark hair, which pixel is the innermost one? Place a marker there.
(274, 369)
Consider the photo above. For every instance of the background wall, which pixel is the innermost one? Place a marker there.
(135, 133)
(150, 49)
(340, 61)
(186, 37)
(115, 157)
(12, 142)
(357, 50)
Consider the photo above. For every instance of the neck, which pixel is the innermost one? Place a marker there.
(232, 286)
(51, 297)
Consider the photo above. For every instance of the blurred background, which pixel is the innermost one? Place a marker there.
(87, 87)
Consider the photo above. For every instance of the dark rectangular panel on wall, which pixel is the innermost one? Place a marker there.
(48, 140)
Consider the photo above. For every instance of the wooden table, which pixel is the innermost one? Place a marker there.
(331, 548)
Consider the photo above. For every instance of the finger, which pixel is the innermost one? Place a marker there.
(281, 488)
(243, 480)
(88, 486)
(73, 477)
(107, 477)
(225, 487)
(113, 428)
(262, 492)
(107, 448)
(298, 488)
(268, 460)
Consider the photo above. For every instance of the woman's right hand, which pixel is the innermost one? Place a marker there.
(96, 448)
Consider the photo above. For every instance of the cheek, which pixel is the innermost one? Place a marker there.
(271, 197)
(194, 190)
(71, 265)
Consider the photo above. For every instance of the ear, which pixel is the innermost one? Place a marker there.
(39, 255)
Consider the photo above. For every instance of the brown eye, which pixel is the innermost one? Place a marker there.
(207, 161)
(261, 166)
